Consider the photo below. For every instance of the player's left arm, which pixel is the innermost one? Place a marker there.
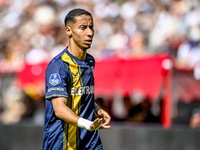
(102, 114)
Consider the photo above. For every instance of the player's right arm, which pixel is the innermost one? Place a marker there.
(63, 112)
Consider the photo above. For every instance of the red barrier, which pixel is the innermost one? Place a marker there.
(126, 76)
(31, 79)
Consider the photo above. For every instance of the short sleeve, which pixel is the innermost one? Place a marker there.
(56, 80)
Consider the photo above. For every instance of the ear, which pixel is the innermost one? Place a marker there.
(68, 31)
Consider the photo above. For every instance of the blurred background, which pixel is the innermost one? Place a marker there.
(147, 73)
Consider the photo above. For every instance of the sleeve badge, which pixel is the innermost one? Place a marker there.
(54, 79)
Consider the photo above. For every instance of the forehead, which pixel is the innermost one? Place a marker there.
(84, 19)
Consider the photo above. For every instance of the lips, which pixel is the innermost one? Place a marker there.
(88, 41)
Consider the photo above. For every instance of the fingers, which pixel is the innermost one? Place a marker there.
(106, 120)
(105, 127)
(100, 114)
(106, 117)
(97, 123)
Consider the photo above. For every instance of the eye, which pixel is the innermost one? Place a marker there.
(83, 27)
(91, 27)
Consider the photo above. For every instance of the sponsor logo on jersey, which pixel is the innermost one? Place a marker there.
(55, 89)
(82, 90)
(54, 79)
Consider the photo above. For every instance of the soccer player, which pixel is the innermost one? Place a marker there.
(70, 115)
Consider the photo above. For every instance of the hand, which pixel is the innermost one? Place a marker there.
(96, 124)
(106, 119)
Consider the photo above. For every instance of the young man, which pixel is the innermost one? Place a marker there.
(70, 121)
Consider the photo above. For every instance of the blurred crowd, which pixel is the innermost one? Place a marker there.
(123, 28)
(32, 31)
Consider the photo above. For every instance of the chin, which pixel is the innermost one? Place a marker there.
(86, 47)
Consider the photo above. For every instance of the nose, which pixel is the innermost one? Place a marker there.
(90, 32)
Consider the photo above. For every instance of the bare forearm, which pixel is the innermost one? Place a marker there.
(63, 112)
(68, 115)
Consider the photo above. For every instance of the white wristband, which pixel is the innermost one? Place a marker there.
(84, 123)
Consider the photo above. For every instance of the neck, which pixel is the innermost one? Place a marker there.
(77, 52)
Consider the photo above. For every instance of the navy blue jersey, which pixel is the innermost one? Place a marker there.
(72, 78)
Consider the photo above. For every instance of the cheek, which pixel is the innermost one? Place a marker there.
(78, 36)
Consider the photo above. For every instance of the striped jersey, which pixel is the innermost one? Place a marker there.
(72, 78)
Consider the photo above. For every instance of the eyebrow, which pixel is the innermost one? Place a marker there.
(85, 25)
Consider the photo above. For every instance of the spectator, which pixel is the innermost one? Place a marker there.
(195, 119)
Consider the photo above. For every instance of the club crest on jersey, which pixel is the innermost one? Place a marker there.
(54, 79)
